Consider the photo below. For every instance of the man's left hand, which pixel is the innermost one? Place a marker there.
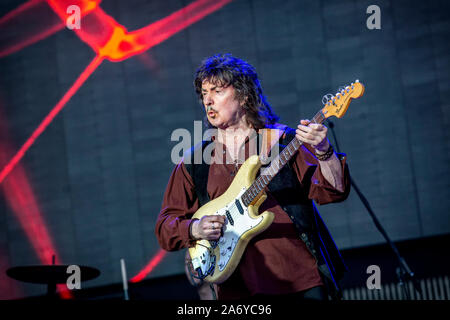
(314, 134)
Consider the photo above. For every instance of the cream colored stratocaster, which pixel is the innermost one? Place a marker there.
(215, 261)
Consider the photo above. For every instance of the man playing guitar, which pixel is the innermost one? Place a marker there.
(295, 255)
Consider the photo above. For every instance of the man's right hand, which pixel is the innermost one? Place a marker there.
(208, 227)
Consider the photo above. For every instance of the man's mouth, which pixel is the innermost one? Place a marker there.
(211, 112)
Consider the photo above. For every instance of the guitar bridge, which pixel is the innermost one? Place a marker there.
(210, 271)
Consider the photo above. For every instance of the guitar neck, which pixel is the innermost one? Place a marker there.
(268, 173)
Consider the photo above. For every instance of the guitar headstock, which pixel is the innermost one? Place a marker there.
(337, 106)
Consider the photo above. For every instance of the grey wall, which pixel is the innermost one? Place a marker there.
(100, 169)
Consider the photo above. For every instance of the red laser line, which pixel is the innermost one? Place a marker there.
(31, 40)
(38, 131)
(163, 29)
(149, 267)
(19, 10)
(115, 44)
(21, 199)
(36, 28)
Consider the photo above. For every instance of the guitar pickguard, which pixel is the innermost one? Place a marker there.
(220, 252)
(237, 222)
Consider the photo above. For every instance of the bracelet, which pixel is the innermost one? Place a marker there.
(327, 155)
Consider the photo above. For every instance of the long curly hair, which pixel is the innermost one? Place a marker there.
(224, 70)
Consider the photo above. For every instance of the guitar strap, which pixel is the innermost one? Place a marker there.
(199, 172)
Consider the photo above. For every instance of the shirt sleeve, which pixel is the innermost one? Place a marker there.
(179, 204)
(307, 168)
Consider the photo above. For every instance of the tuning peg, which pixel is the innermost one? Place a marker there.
(342, 91)
(356, 80)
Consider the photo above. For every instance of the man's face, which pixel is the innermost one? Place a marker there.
(222, 108)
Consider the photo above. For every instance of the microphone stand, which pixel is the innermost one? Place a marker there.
(403, 271)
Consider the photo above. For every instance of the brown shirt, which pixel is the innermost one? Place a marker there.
(274, 262)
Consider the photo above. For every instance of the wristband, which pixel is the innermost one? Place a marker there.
(327, 155)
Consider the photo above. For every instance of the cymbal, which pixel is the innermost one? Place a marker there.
(46, 274)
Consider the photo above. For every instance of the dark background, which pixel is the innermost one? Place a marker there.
(100, 169)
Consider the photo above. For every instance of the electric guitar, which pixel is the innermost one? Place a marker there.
(215, 261)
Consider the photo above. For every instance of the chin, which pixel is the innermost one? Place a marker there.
(215, 122)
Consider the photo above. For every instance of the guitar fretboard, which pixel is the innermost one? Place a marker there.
(268, 173)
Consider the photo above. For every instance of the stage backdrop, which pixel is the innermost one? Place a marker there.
(89, 188)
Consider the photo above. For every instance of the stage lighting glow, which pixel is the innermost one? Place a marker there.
(21, 198)
(109, 40)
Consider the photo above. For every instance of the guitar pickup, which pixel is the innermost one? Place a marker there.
(239, 206)
(230, 219)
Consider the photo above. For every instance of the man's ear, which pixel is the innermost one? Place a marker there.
(244, 101)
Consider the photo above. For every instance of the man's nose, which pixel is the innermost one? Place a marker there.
(207, 100)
